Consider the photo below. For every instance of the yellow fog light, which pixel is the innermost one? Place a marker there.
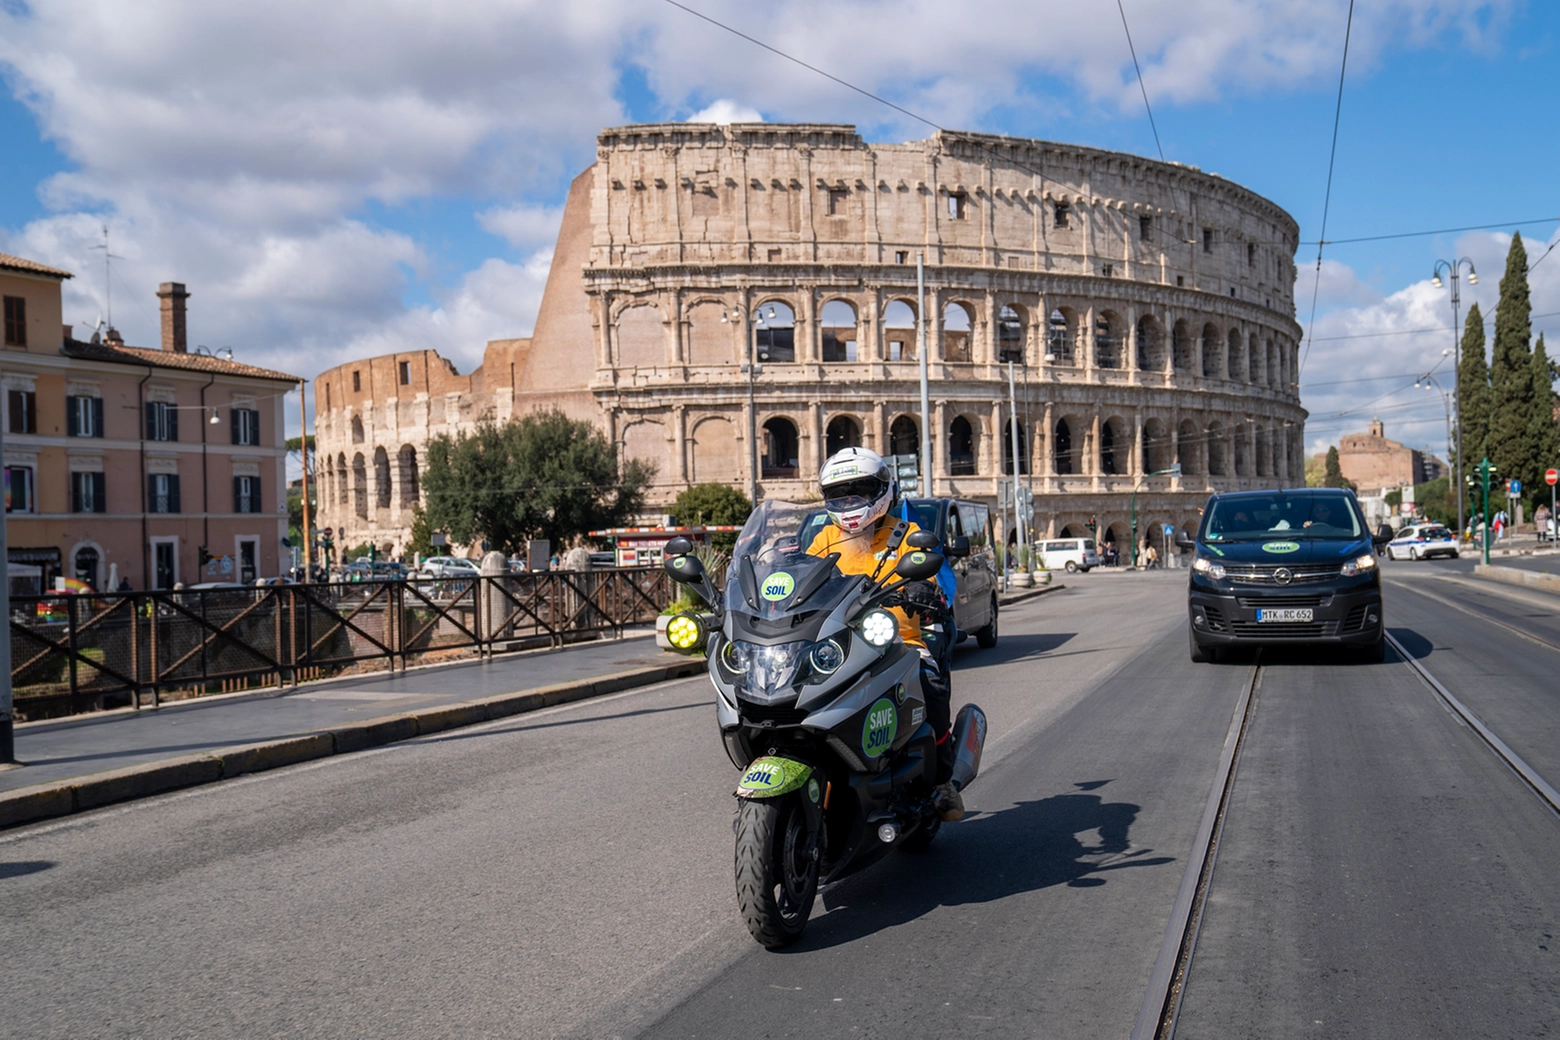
(686, 633)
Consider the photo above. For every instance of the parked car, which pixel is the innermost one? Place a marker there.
(1069, 554)
(602, 558)
(448, 567)
(1422, 542)
(964, 537)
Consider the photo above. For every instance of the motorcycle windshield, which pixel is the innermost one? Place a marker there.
(772, 574)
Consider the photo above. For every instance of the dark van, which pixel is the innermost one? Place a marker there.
(963, 531)
(1284, 567)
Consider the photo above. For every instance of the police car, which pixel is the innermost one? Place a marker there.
(1421, 542)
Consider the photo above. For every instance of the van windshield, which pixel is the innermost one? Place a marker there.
(1257, 517)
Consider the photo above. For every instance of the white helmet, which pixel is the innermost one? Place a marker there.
(858, 488)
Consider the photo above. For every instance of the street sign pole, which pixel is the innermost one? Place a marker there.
(1550, 477)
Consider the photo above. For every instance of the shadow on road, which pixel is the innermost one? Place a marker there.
(982, 859)
(1011, 648)
(23, 867)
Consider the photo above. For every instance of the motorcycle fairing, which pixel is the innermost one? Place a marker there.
(773, 776)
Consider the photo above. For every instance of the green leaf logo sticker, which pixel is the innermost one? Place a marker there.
(918, 558)
(1280, 547)
(778, 586)
(882, 725)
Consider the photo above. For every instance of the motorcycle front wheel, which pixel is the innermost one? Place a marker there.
(777, 869)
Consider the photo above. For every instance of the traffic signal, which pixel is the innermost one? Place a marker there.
(205, 557)
(1094, 525)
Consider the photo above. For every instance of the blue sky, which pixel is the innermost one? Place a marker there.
(393, 179)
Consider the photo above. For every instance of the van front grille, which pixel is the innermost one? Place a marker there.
(1287, 630)
(1265, 575)
(1284, 601)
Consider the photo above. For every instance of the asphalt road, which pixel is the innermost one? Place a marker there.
(568, 873)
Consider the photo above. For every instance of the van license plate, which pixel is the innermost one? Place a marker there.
(1291, 614)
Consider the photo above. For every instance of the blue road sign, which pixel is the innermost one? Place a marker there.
(1516, 487)
(1169, 529)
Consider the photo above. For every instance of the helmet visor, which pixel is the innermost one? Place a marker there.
(856, 493)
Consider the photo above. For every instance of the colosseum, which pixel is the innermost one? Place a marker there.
(1147, 306)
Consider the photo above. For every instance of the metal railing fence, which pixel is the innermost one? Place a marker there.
(82, 652)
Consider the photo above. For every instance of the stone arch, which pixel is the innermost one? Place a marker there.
(780, 448)
(904, 436)
(1264, 460)
(360, 486)
(1061, 336)
(1007, 447)
(1242, 452)
(646, 441)
(958, 321)
(1012, 333)
(843, 432)
(1212, 356)
(1156, 449)
(1188, 440)
(1064, 452)
(357, 429)
(1218, 457)
(713, 452)
(963, 446)
(1183, 348)
(1236, 357)
(86, 564)
(1150, 344)
(1275, 367)
(406, 478)
(837, 327)
(775, 331)
(900, 331)
(640, 334)
(1108, 333)
(1256, 362)
(343, 490)
(712, 336)
(1115, 447)
(382, 489)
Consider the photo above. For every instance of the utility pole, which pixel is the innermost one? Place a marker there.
(308, 527)
(1453, 267)
(1018, 512)
(7, 706)
(920, 352)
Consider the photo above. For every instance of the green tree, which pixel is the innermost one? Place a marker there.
(1473, 392)
(420, 540)
(1510, 440)
(1546, 435)
(542, 475)
(1332, 475)
(713, 504)
(1315, 471)
(1433, 498)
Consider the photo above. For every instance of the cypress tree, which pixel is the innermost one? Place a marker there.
(1333, 473)
(1546, 435)
(1510, 437)
(1473, 391)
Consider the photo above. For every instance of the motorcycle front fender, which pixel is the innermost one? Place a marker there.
(774, 776)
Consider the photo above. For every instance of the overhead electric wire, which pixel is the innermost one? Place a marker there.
(1332, 158)
(1138, 69)
(1435, 231)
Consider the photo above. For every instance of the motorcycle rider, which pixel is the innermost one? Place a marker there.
(860, 493)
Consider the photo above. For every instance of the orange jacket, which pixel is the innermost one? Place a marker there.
(857, 558)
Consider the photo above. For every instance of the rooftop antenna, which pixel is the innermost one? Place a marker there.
(108, 292)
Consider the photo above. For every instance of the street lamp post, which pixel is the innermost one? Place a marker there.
(1453, 268)
(1428, 382)
(750, 325)
(1173, 471)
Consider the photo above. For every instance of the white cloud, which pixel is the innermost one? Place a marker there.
(725, 111)
(523, 226)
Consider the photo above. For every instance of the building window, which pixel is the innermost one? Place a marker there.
(327, 397)
(1061, 215)
(1251, 254)
(1207, 240)
(958, 205)
(246, 494)
(87, 563)
(901, 256)
(406, 373)
(246, 426)
(162, 493)
(87, 493)
(1108, 270)
(162, 421)
(15, 321)
(19, 490)
(1180, 281)
(24, 411)
(1146, 228)
(357, 381)
(84, 416)
(839, 199)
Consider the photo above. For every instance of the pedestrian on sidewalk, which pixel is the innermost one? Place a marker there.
(1541, 521)
(1150, 555)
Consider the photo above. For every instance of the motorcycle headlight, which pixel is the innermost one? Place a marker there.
(768, 672)
(685, 632)
(1359, 566)
(826, 658)
(879, 628)
(1203, 565)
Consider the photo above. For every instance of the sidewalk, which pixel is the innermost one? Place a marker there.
(63, 749)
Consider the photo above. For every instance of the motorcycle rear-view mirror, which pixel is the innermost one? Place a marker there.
(679, 546)
(687, 569)
(918, 565)
(922, 540)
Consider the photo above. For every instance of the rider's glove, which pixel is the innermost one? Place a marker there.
(923, 598)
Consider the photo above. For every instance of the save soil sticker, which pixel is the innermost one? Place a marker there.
(770, 776)
(778, 586)
(1280, 547)
(882, 725)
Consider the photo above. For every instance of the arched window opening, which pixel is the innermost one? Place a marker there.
(1059, 338)
(1150, 344)
(1218, 456)
(1264, 453)
(904, 437)
(357, 429)
(381, 478)
(899, 320)
(1114, 448)
(775, 332)
(1007, 447)
(1010, 334)
(86, 567)
(1062, 449)
(956, 332)
(1186, 445)
(1237, 357)
(406, 461)
(961, 447)
(1275, 374)
(843, 432)
(1242, 450)
(1155, 447)
(1107, 341)
(838, 322)
(1256, 362)
(779, 448)
(342, 489)
(1211, 354)
(360, 486)
(1183, 348)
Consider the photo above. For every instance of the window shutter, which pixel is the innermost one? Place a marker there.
(254, 426)
(73, 417)
(254, 494)
(99, 489)
(97, 417)
(14, 400)
(151, 492)
(151, 420)
(238, 495)
(75, 492)
(234, 425)
(173, 422)
(173, 493)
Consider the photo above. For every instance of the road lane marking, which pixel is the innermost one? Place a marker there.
(1482, 617)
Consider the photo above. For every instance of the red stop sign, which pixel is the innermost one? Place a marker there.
(1551, 476)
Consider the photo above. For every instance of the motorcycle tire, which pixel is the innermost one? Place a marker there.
(923, 835)
(777, 865)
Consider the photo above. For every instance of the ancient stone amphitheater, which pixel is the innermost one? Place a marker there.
(1148, 307)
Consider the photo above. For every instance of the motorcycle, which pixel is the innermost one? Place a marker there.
(820, 707)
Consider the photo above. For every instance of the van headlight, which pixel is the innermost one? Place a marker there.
(1203, 565)
(879, 628)
(1354, 568)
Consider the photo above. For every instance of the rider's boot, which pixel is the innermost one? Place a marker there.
(945, 796)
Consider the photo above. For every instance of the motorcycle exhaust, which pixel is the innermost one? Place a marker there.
(969, 736)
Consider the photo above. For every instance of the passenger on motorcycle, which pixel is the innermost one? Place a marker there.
(859, 492)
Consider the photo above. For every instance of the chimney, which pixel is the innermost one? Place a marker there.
(172, 295)
(113, 338)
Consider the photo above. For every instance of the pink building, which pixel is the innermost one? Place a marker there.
(133, 461)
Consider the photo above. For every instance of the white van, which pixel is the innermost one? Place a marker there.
(1069, 554)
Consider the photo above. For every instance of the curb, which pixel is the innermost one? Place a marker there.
(65, 797)
(1007, 599)
(1539, 581)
